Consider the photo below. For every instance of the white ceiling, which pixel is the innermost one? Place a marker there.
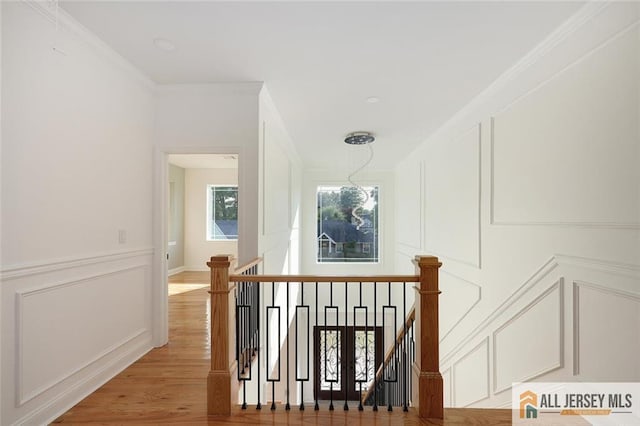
(322, 60)
(204, 161)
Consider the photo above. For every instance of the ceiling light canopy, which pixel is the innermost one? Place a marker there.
(164, 44)
(359, 138)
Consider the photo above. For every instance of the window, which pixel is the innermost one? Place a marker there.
(347, 224)
(222, 214)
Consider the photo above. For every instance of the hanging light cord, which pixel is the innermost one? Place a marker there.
(360, 188)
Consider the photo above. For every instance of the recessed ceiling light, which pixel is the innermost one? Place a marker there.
(373, 99)
(164, 44)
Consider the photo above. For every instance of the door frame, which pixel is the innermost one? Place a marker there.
(160, 223)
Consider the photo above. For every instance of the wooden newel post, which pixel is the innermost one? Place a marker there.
(219, 378)
(431, 402)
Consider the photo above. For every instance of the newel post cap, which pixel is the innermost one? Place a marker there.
(428, 261)
(220, 261)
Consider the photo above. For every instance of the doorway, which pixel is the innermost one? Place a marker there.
(202, 210)
(346, 360)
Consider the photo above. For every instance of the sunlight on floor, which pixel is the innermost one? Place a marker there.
(183, 288)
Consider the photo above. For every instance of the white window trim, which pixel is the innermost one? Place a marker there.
(209, 211)
(320, 183)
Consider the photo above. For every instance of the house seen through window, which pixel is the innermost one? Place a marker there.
(222, 214)
(347, 228)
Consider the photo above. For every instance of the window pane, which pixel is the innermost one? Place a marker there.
(223, 223)
(347, 224)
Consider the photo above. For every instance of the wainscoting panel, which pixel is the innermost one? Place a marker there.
(530, 343)
(68, 326)
(452, 205)
(606, 330)
(536, 177)
(458, 298)
(471, 376)
(53, 340)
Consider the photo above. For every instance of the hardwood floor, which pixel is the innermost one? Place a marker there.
(168, 384)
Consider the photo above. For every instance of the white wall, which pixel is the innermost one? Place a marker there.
(76, 171)
(531, 198)
(279, 194)
(1, 190)
(176, 214)
(213, 118)
(197, 249)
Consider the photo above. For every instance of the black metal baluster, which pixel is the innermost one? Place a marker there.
(316, 407)
(375, 362)
(405, 406)
(395, 349)
(346, 360)
(259, 404)
(325, 344)
(355, 343)
(287, 406)
(301, 379)
(413, 358)
(273, 381)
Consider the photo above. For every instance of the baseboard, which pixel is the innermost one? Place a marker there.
(57, 406)
(176, 270)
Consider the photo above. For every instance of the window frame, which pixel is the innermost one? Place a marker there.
(379, 261)
(210, 212)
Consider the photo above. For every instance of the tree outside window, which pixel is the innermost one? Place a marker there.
(222, 217)
(347, 224)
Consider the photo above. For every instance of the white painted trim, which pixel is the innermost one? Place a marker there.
(449, 384)
(21, 397)
(79, 390)
(470, 307)
(635, 297)
(44, 8)
(483, 342)
(243, 88)
(589, 11)
(42, 267)
(596, 225)
(616, 268)
(175, 271)
(560, 364)
(537, 276)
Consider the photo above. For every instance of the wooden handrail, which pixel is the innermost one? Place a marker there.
(240, 269)
(389, 354)
(326, 278)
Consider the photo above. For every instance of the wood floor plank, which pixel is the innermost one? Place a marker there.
(168, 385)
